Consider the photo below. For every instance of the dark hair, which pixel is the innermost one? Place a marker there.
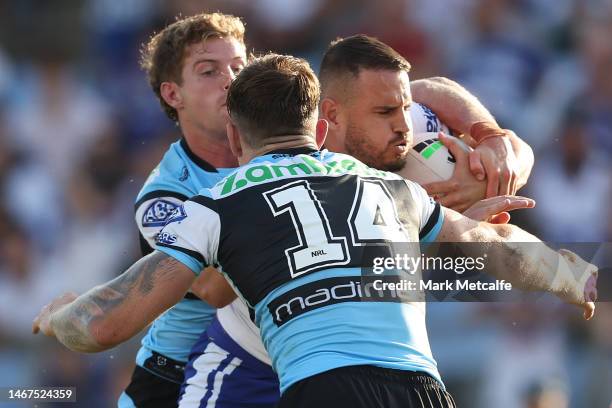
(163, 56)
(274, 95)
(353, 54)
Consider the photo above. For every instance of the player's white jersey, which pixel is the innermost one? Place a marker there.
(235, 317)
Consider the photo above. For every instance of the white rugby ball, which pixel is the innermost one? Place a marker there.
(429, 160)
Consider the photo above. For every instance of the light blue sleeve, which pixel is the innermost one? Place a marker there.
(187, 260)
(431, 230)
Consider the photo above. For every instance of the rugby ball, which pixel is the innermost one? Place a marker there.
(429, 160)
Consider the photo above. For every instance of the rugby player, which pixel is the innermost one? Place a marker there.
(190, 65)
(364, 100)
(354, 357)
(362, 81)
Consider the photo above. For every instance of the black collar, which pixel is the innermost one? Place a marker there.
(203, 164)
(294, 151)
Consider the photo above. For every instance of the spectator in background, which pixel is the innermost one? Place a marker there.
(595, 100)
(576, 77)
(500, 64)
(572, 184)
(54, 117)
(530, 60)
(388, 21)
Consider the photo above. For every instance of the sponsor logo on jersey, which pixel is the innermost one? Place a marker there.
(297, 166)
(327, 292)
(165, 238)
(158, 212)
(184, 174)
(178, 215)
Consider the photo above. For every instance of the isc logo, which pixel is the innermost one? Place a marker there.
(166, 238)
(158, 212)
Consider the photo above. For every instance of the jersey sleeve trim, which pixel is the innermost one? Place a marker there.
(186, 251)
(159, 194)
(433, 225)
(191, 259)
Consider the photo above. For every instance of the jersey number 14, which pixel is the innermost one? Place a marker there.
(372, 220)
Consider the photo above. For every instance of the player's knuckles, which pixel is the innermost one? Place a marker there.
(475, 159)
(506, 172)
(494, 172)
(505, 176)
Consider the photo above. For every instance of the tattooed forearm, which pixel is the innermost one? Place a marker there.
(70, 325)
(82, 324)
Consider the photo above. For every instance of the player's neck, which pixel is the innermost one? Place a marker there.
(334, 143)
(279, 143)
(214, 150)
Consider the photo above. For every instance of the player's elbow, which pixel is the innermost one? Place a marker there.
(211, 295)
(216, 298)
(212, 287)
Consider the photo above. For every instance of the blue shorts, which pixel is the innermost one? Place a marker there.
(222, 374)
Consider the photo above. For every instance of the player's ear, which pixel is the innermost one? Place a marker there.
(329, 111)
(169, 92)
(233, 137)
(332, 111)
(321, 132)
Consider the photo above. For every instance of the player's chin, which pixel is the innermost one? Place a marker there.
(394, 162)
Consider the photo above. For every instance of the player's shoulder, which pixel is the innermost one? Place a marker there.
(169, 173)
(179, 174)
(167, 187)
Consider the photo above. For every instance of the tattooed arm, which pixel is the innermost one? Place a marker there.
(112, 313)
(520, 258)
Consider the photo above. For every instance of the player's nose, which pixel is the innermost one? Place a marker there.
(403, 123)
(228, 76)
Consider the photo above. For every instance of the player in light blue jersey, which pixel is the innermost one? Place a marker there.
(190, 64)
(165, 347)
(238, 358)
(294, 252)
(362, 102)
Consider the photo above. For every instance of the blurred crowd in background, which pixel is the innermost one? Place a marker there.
(80, 130)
